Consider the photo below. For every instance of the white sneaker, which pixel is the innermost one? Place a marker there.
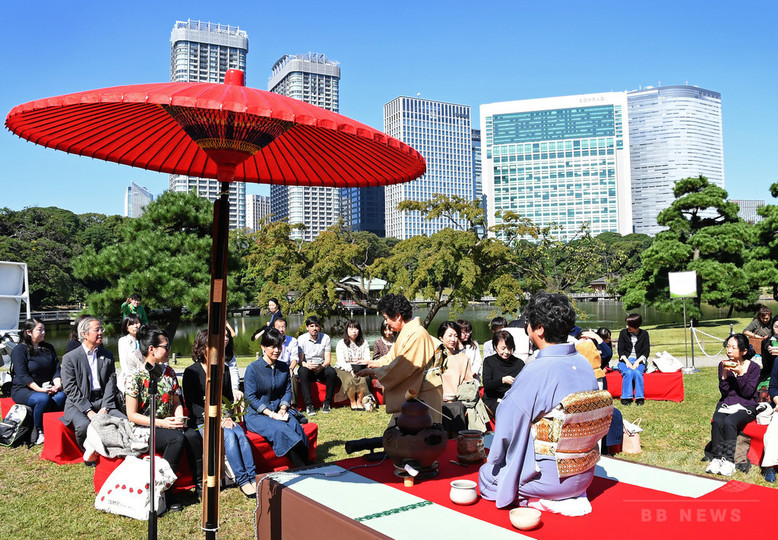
(39, 440)
(727, 468)
(714, 467)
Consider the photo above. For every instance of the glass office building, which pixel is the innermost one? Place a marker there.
(562, 160)
(315, 79)
(441, 132)
(203, 52)
(675, 132)
(136, 199)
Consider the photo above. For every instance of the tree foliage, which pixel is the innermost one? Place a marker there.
(762, 263)
(164, 256)
(47, 239)
(705, 235)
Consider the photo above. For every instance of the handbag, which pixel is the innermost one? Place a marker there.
(126, 491)
(631, 442)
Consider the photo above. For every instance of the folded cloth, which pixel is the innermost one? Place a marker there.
(112, 437)
(575, 506)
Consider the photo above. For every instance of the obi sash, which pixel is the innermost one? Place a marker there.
(572, 430)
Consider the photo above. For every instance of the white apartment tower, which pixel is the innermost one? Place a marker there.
(441, 132)
(136, 199)
(203, 52)
(562, 160)
(257, 210)
(315, 79)
(675, 132)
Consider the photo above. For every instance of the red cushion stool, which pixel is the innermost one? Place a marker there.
(265, 459)
(59, 444)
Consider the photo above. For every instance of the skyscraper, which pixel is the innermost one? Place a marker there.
(315, 79)
(675, 132)
(257, 209)
(562, 160)
(203, 52)
(136, 199)
(441, 132)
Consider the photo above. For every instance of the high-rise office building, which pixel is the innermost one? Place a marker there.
(748, 210)
(362, 209)
(441, 132)
(675, 132)
(315, 79)
(136, 199)
(203, 52)
(257, 210)
(478, 189)
(561, 160)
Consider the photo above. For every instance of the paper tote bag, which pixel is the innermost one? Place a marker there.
(631, 442)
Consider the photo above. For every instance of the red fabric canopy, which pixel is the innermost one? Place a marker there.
(152, 126)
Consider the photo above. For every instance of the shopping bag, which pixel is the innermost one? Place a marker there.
(631, 442)
(126, 492)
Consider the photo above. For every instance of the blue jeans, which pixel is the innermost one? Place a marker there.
(238, 452)
(630, 378)
(42, 402)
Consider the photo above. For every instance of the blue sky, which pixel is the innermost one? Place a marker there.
(463, 52)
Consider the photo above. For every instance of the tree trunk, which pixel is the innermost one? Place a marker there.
(173, 320)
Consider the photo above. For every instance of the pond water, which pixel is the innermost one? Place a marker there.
(606, 313)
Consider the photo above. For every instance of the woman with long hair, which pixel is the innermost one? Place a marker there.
(738, 379)
(171, 432)
(36, 380)
(236, 445)
(470, 347)
(352, 351)
(268, 394)
(130, 358)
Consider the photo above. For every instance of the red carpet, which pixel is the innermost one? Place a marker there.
(620, 510)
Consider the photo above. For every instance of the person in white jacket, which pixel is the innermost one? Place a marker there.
(353, 354)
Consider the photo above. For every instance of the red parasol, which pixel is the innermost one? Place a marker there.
(224, 131)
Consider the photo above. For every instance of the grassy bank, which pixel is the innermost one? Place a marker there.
(41, 500)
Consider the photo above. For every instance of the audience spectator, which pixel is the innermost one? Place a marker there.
(587, 346)
(770, 458)
(353, 351)
(290, 355)
(497, 324)
(74, 340)
(231, 362)
(274, 308)
(268, 391)
(384, 342)
(500, 370)
(470, 347)
(523, 346)
(35, 375)
(760, 326)
(606, 348)
(738, 379)
(634, 349)
(411, 363)
(237, 448)
(89, 381)
(315, 358)
(171, 434)
(769, 352)
(456, 370)
(130, 358)
(132, 305)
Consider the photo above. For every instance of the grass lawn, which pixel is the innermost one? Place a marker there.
(41, 500)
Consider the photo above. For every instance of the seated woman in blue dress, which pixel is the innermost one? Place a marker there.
(36, 380)
(268, 392)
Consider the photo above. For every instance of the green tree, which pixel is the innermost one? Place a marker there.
(453, 266)
(47, 239)
(762, 265)
(705, 235)
(164, 256)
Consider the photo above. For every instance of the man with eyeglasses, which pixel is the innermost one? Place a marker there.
(89, 381)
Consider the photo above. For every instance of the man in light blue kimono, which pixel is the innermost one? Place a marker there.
(514, 471)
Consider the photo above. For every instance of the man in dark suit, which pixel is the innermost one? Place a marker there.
(89, 380)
